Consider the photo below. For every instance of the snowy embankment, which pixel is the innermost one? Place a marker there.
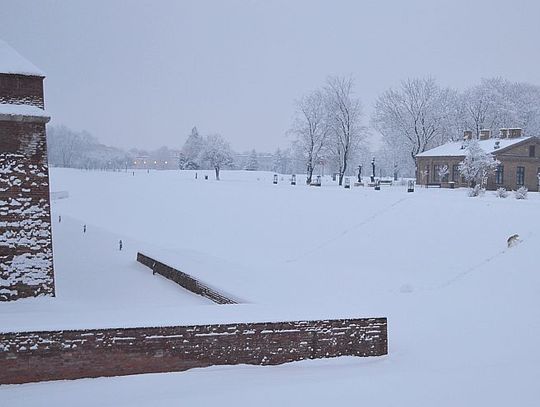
(462, 307)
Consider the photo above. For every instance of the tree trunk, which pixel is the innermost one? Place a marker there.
(309, 175)
(342, 169)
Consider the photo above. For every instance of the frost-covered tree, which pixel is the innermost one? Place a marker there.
(343, 115)
(417, 116)
(477, 165)
(192, 150)
(443, 173)
(253, 161)
(479, 109)
(310, 128)
(217, 153)
(281, 161)
(69, 148)
(497, 103)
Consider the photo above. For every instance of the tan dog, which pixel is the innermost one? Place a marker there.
(513, 240)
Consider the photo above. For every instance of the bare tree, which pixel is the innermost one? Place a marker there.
(217, 153)
(311, 129)
(68, 148)
(344, 112)
(415, 117)
(497, 102)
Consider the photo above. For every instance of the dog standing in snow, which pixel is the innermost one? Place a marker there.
(513, 240)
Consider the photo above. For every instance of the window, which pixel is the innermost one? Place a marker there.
(436, 175)
(532, 151)
(455, 172)
(499, 175)
(520, 178)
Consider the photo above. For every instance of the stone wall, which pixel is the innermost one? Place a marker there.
(185, 280)
(39, 356)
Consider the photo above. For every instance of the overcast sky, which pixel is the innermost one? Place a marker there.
(143, 73)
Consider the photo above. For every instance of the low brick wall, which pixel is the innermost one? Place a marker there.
(184, 280)
(53, 355)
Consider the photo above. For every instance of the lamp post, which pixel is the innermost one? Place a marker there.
(360, 174)
(373, 170)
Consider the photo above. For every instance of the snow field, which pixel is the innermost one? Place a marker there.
(462, 307)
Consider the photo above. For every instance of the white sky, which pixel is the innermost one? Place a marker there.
(143, 73)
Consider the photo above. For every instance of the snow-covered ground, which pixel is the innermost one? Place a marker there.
(463, 309)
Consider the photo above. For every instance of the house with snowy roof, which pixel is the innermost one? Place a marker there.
(519, 158)
(26, 262)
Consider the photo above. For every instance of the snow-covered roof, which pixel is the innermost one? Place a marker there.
(456, 149)
(22, 110)
(13, 63)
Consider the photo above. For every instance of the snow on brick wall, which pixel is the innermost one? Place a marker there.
(38, 356)
(26, 264)
(21, 90)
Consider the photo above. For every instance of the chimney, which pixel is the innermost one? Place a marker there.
(485, 134)
(514, 133)
(467, 135)
(503, 133)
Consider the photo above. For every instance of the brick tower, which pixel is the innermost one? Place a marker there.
(26, 261)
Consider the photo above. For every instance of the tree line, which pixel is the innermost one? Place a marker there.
(412, 118)
(329, 131)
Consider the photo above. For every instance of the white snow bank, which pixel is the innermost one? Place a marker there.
(462, 308)
(22, 110)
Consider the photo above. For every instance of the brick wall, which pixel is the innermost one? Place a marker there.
(185, 280)
(21, 90)
(26, 264)
(38, 356)
(510, 160)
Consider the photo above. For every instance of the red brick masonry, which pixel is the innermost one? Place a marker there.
(26, 258)
(53, 355)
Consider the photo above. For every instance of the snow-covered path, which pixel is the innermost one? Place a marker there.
(462, 308)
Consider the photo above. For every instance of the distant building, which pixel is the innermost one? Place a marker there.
(26, 262)
(519, 157)
(163, 159)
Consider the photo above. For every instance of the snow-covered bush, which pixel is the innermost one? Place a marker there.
(521, 193)
(501, 193)
(477, 190)
(477, 165)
